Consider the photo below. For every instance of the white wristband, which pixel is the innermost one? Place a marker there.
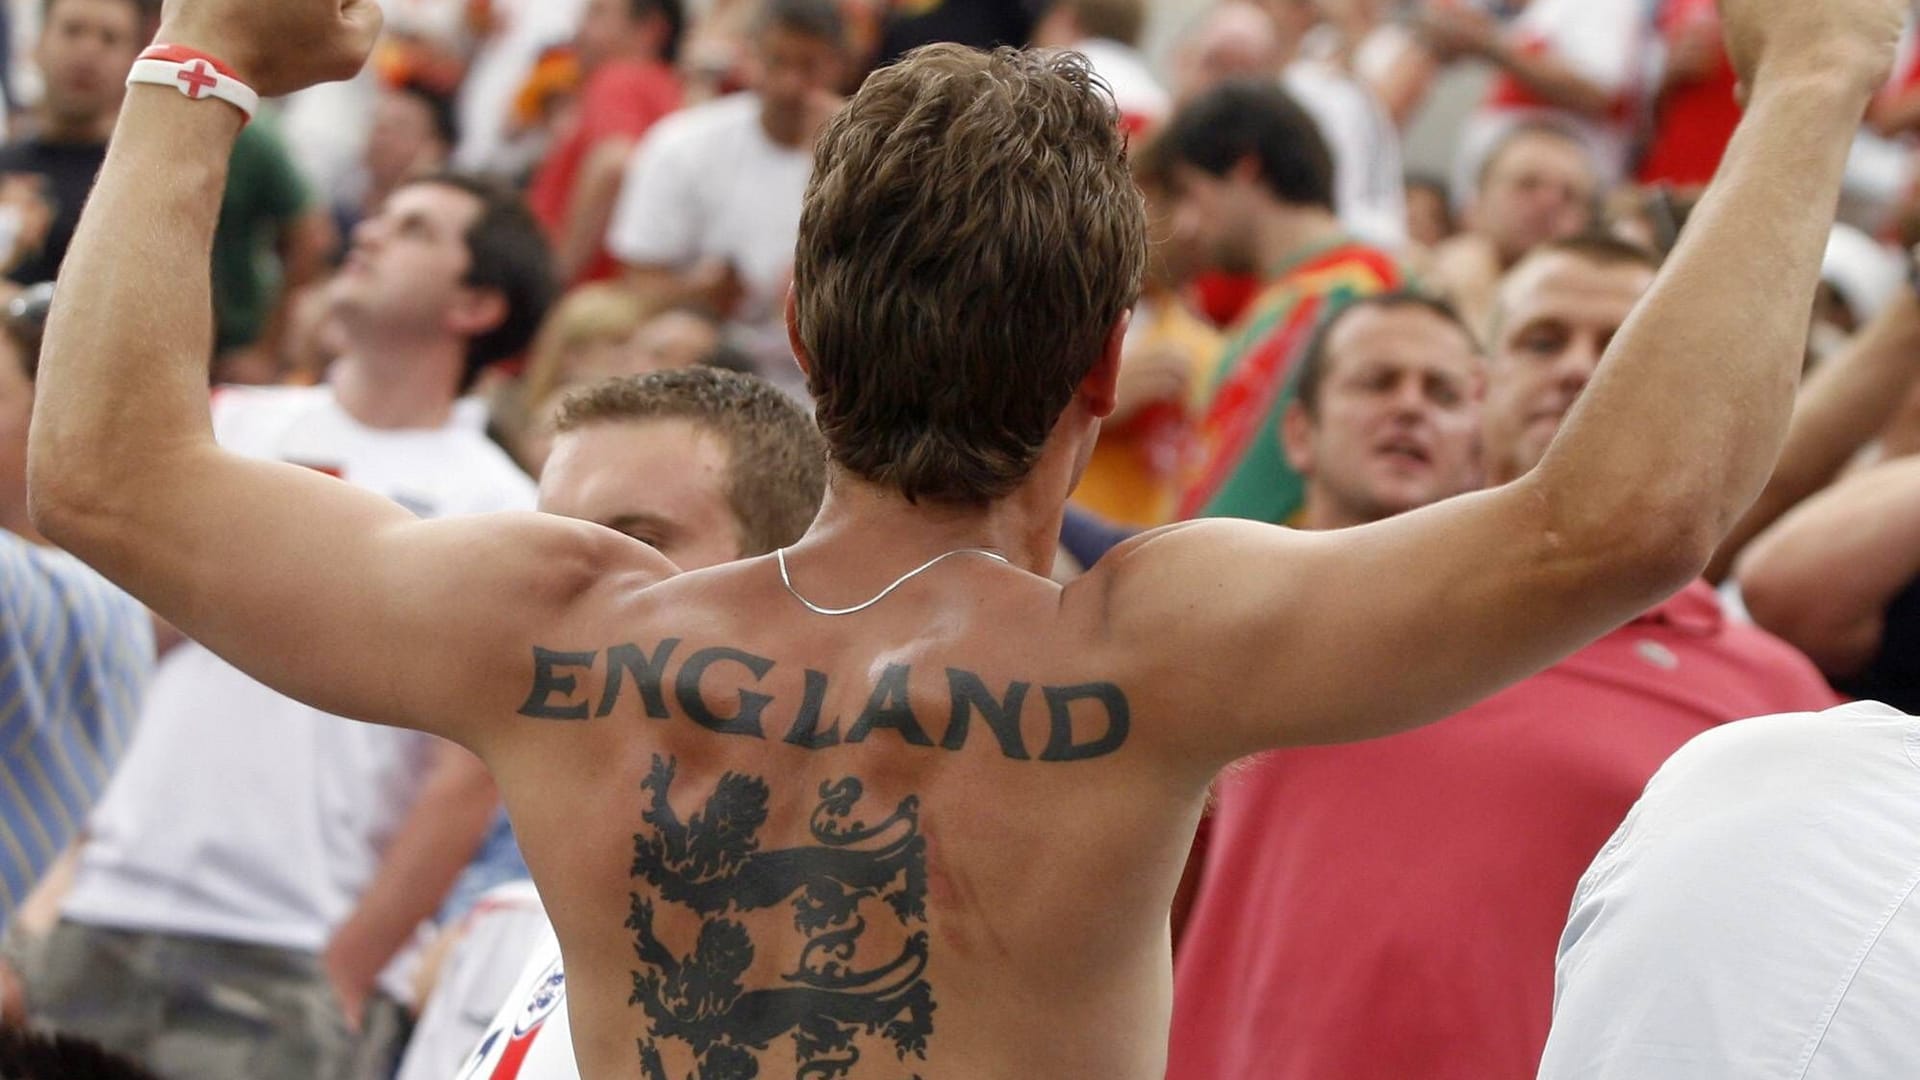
(197, 79)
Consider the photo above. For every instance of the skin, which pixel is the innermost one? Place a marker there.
(798, 83)
(1396, 426)
(1236, 223)
(662, 482)
(85, 51)
(1200, 628)
(402, 143)
(1540, 188)
(16, 408)
(1559, 314)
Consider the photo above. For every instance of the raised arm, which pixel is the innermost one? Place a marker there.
(325, 592)
(1824, 576)
(1292, 637)
(1847, 402)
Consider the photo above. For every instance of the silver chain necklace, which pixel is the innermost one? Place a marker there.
(781, 556)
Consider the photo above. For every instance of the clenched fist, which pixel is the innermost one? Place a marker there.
(277, 46)
(1852, 39)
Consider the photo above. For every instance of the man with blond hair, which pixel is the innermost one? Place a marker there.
(787, 813)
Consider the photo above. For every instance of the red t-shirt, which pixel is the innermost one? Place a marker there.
(622, 99)
(1391, 909)
(1694, 122)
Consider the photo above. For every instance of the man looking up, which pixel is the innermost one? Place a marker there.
(286, 879)
(711, 200)
(785, 812)
(1391, 908)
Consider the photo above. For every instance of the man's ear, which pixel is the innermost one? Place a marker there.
(1296, 438)
(799, 348)
(1100, 389)
(477, 312)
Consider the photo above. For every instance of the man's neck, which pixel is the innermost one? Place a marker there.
(872, 526)
(398, 387)
(1287, 232)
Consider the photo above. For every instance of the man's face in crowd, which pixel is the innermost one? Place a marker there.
(86, 49)
(1397, 422)
(1235, 40)
(1558, 313)
(607, 30)
(798, 72)
(1214, 216)
(408, 263)
(661, 481)
(1538, 188)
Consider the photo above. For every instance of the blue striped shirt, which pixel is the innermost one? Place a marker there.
(74, 655)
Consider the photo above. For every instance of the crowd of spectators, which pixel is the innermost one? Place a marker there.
(458, 280)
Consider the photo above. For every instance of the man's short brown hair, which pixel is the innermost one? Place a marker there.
(776, 461)
(971, 236)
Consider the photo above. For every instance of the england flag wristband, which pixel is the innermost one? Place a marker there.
(194, 74)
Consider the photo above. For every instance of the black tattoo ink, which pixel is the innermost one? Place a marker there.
(890, 707)
(806, 727)
(1060, 699)
(647, 676)
(546, 684)
(712, 864)
(970, 694)
(687, 688)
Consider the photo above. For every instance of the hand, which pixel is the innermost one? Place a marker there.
(1454, 30)
(1149, 376)
(1853, 39)
(352, 972)
(25, 196)
(277, 46)
(13, 998)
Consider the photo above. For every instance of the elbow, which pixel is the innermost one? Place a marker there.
(64, 507)
(1650, 551)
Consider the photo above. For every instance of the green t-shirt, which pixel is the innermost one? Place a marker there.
(265, 194)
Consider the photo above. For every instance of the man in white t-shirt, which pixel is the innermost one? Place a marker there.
(709, 467)
(710, 208)
(1756, 913)
(257, 865)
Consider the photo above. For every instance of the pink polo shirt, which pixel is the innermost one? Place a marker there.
(1391, 909)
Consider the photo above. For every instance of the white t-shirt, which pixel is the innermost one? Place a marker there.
(242, 815)
(708, 183)
(500, 67)
(531, 1038)
(483, 985)
(1369, 177)
(1755, 915)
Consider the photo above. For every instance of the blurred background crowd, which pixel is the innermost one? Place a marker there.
(1391, 241)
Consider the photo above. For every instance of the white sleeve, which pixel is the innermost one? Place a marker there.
(656, 220)
(1603, 42)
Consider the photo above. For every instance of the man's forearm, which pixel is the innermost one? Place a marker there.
(436, 841)
(1845, 404)
(140, 260)
(1551, 78)
(1824, 576)
(1684, 419)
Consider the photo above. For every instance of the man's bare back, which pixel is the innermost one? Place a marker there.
(767, 838)
(814, 840)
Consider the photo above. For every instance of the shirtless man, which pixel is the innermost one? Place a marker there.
(936, 834)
